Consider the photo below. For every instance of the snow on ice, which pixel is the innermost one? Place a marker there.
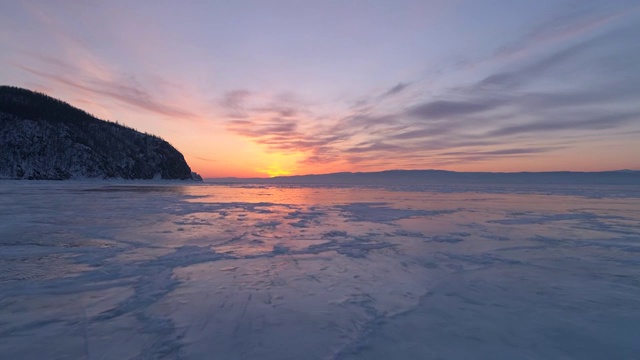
(138, 270)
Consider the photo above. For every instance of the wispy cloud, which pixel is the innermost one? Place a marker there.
(377, 146)
(400, 87)
(480, 121)
(273, 128)
(578, 21)
(440, 109)
(508, 80)
(514, 151)
(604, 122)
(234, 102)
(122, 89)
(78, 68)
(281, 123)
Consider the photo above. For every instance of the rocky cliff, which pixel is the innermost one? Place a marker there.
(42, 138)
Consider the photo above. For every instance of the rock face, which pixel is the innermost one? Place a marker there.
(42, 138)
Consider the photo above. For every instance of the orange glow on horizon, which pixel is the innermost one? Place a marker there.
(274, 170)
(290, 167)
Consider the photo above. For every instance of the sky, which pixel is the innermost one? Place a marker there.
(265, 88)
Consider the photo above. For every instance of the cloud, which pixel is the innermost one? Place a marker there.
(234, 102)
(426, 131)
(600, 95)
(562, 27)
(508, 80)
(323, 155)
(370, 102)
(121, 89)
(439, 109)
(400, 87)
(271, 128)
(283, 134)
(283, 123)
(73, 63)
(367, 120)
(514, 151)
(282, 111)
(608, 121)
(378, 146)
(546, 100)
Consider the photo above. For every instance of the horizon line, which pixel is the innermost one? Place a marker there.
(434, 170)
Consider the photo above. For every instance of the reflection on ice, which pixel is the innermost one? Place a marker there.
(254, 272)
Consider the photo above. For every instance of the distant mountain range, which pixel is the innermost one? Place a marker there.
(425, 177)
(42, 138)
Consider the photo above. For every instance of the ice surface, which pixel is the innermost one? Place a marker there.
(137, 270)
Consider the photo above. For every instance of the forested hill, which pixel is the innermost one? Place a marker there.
(43, 138)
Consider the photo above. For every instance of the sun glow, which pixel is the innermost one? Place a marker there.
(274, 170)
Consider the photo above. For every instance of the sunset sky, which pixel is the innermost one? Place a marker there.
(264, 88)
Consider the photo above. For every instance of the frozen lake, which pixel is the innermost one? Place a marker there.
(137, 270)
